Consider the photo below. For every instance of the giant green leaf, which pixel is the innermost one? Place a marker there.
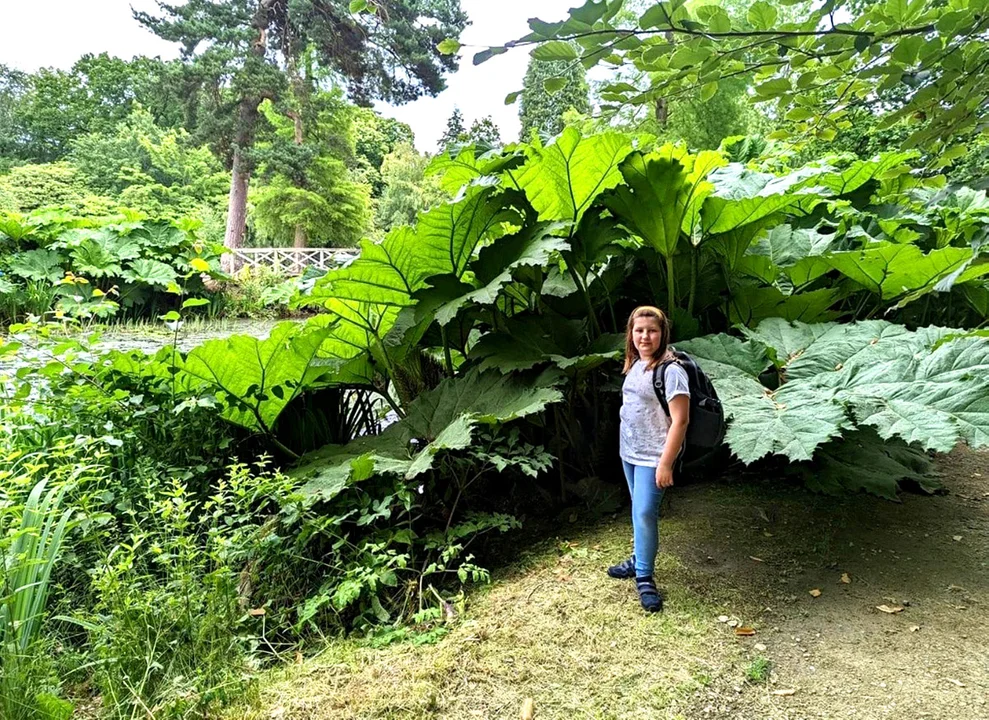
(784, 244)
(457, 169)
(438, 420)
(532, 247)
(748, 305)
(934, 399)
(892, 269)
(662, 195)
(741, 196)
(150, 272)
(785, 341)
(792, 421)
(387, 273)
(255, 379)
(563, 178)
(749, 357)
(833, 346)
(530, 340)
(39, 264)
(928, 387)
(848, 179)
(864, 462)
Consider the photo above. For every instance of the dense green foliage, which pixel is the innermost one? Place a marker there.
(56, 263)
(242, 53)
(407, 189)
(489, 332)
(171, 519)
(914, 62)
(542, 107)
(161, 152)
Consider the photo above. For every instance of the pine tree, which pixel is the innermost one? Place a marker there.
(455, 132)
(484, 133)
(543, 111)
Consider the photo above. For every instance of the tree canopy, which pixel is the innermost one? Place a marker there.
(904, 60)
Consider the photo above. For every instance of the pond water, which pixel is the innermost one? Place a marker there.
(146, 337)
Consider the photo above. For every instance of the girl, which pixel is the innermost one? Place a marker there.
(649, 442)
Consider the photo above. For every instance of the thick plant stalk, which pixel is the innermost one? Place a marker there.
(670, 289)
(693, 280)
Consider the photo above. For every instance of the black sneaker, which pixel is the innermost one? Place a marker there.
(650, 597)
(625, 570)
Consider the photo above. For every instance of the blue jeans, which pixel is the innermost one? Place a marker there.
(646, 498)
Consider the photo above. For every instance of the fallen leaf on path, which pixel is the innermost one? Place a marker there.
(528, 709)
(914, 628)
(732, 623)
(846, 579)
(722, 618)
(746, 631)
(891, 610)
(816, 592)
(298, 657)
(956, 588)
(955, 682)
(788, 691)
(753, 557)
(956, 538)
(760, 647)
(256, 612)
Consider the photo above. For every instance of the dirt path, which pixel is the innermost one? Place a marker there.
(842, 655)
(553, 628)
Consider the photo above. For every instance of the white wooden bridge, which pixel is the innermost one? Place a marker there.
(292, 261)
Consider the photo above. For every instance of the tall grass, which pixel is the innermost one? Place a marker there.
(35, 544)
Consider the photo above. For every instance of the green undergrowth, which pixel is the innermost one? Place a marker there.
(551, 627)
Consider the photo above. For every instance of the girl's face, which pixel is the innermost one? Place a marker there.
(646, 335)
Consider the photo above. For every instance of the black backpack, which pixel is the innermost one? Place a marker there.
(706, 429)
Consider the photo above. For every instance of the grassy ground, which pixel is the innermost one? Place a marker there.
(554, 629)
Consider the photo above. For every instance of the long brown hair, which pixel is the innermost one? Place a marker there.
(631, 354)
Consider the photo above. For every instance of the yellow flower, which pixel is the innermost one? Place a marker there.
(199, 265)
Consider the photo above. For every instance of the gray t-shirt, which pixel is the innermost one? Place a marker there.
(643, 423)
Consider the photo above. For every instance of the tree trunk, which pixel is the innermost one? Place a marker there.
(247, 119)
(299, 90)
(240, 179)
(662, 104)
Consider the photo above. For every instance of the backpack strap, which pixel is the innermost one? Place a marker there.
(659, 384)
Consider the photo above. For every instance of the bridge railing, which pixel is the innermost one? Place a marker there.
(291, 261)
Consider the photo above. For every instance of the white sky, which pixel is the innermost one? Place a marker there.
(54, 33)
